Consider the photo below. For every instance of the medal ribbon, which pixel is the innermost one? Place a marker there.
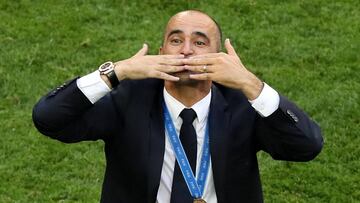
(196, 187)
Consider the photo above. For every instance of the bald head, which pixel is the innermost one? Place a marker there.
(197, 21)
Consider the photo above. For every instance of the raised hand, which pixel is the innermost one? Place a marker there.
(226, 69)
(142, 66)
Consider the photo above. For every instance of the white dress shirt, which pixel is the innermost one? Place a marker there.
(94, 88)
(202, 111)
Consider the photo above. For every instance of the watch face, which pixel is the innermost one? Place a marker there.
(105, 68)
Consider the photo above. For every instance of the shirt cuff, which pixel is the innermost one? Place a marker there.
(267, 102)
(92, 86)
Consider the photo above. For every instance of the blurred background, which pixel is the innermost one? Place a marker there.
(307, 50)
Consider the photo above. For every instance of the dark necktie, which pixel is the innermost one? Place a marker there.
(180, 192)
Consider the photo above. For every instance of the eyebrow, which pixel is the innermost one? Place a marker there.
(201, 34)
(177, 31)
(174, 32)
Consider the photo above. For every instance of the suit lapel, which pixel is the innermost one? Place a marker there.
(219, 120)
(156, 145)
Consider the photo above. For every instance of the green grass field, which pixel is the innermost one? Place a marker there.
(307, 50)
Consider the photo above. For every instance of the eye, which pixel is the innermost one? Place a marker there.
(175, 41)
(200, 43)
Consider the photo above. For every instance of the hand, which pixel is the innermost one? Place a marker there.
(226, 69)
(142, 66)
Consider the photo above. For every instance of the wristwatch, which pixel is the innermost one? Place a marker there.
(107, 69)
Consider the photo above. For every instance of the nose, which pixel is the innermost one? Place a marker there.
(187, 49)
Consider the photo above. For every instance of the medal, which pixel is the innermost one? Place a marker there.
(199, 200)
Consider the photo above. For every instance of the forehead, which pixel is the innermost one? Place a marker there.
(190, 22)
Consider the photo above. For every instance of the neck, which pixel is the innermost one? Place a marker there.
(188, 94)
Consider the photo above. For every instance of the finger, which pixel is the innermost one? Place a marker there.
(201, 69)
(173, 61)
(170, 68)
(209, 55)
(179, 56)
(164, 76)
(202, 76)
(229, 48)
(200, 61)
(143, 51)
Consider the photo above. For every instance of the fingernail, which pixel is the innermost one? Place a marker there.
(228, 40)
(144, 45)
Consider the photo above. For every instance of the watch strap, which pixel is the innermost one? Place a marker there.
(114, 81)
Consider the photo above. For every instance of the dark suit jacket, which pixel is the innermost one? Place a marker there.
(130, 121)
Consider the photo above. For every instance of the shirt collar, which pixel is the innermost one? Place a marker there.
(175, 107)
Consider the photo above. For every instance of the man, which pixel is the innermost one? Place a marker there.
(140, 105)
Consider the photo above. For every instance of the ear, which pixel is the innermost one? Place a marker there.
(160, 50)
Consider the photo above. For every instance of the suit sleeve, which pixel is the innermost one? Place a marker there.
(67, 115)
(289, 134)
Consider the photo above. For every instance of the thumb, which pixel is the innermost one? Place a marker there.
(229, 48)
(143, 51)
